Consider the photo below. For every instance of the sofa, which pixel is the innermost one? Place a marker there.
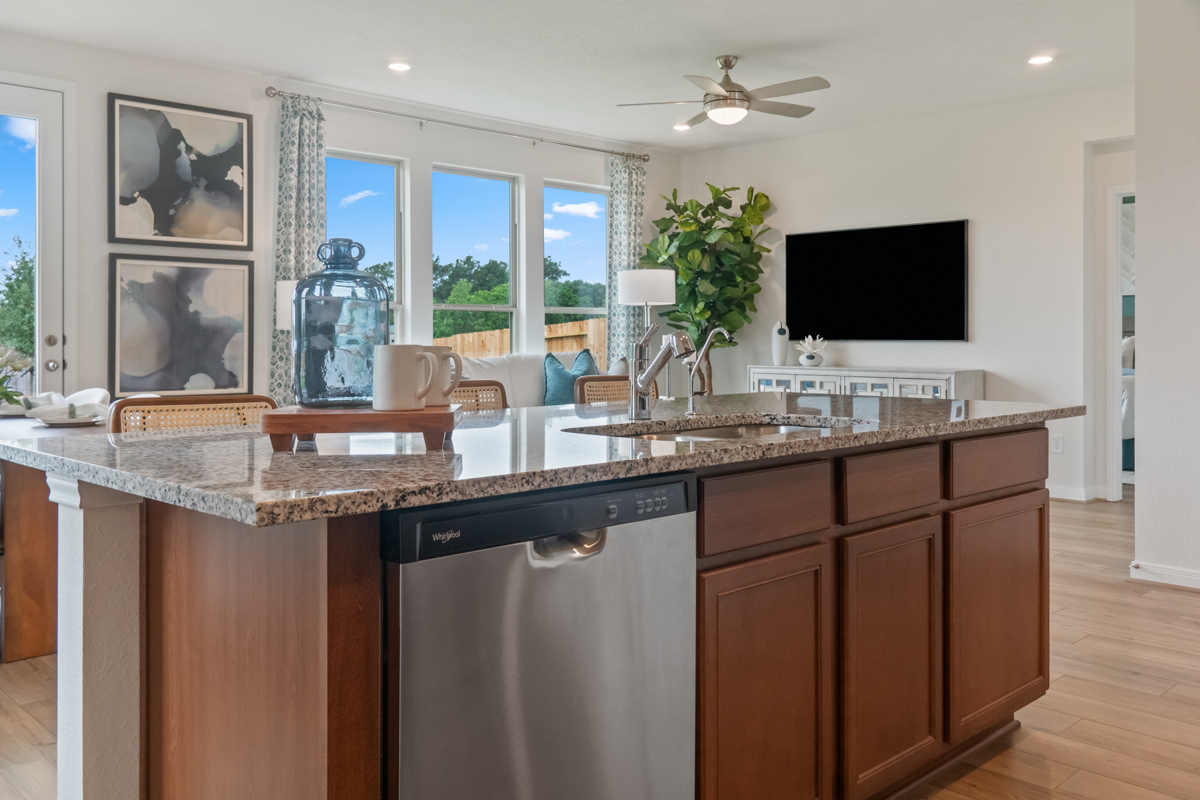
(522, 374)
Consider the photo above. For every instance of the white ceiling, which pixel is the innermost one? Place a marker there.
(565, 64)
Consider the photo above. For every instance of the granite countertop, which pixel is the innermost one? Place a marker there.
(234, 473)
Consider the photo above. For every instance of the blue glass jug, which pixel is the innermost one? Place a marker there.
(339, 315)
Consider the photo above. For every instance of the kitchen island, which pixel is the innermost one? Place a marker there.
(872, 589)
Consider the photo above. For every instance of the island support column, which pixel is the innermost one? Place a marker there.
(99, 641)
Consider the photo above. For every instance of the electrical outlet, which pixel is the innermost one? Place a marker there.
(1058, 444)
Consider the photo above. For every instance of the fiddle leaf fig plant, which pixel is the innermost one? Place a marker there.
(717, 261)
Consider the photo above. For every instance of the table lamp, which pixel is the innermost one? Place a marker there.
(646, 287)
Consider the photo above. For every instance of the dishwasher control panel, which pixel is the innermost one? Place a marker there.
(417, 534)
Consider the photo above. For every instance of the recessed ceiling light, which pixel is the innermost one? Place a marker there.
(682, 127)
(1041, 59)
(399, 66)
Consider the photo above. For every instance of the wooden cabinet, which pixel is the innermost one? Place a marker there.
(750, 508)
(998, 603)
(892, 688)
(901, 642)
(766, 678)
(879, 484)
(987, 463)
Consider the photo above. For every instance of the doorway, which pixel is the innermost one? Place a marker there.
(32, 237)
(1124, 216)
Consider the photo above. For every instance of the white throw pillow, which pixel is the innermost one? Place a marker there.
(621, 367)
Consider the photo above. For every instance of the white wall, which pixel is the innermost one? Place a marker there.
(1168, 242)
(97, 72)
(1017, 171)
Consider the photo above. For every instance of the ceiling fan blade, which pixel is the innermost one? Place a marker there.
(782, 109)
(663, 103)
(708, 85)
(696, 120)
(789, 87)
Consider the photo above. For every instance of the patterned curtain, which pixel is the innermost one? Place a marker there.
(627, 189)
(299, 218)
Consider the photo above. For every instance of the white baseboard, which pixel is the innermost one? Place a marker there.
(1075, 493)
(1160, 573)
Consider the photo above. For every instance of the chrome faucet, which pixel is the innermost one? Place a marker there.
(643, 371)
(692, 412)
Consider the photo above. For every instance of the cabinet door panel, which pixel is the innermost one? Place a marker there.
(999, 625)
(892, 685)
(766, 678)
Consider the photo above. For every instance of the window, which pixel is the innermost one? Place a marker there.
(361, 204)
(473, 246)
(575, 227)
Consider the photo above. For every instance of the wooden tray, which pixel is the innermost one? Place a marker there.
(435, 424)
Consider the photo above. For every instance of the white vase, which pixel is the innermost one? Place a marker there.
(779, 344)
(811, 359)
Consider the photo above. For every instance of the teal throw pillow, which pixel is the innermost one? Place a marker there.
(560, 382)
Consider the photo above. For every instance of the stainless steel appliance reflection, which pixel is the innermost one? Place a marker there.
(542, 646)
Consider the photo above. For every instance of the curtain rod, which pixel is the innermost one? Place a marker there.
(273, 92)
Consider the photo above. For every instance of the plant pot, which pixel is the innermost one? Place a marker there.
(811, 359)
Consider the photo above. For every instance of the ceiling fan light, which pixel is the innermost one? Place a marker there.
(681, 126)
(727, 115)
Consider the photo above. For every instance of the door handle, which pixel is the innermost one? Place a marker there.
(51, 366)
(580, 544)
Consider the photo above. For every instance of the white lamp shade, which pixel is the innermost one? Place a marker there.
(283, 304)
(646, 287)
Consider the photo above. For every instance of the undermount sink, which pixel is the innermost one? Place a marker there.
(720, 432)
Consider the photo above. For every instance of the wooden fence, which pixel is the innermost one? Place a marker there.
(562, 338)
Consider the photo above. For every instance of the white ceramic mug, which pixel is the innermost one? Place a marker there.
(444, 383)
(403, 376)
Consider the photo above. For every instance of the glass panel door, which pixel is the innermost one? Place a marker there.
(31, 234)
(871, 387)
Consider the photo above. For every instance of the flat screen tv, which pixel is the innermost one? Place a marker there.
(902, 283)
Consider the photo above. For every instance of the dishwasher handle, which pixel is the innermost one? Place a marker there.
(577, 544)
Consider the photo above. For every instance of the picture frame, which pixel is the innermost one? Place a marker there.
(204, 200)
(152, 347)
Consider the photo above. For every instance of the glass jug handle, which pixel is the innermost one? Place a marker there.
(323, 253)
(362, 251)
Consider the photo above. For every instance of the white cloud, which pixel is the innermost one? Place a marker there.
(552, 235)
(589, 209)
(547, 216)
(354, 198)
(8, 212)
(23, 129)
(481, 247)
(504, 239)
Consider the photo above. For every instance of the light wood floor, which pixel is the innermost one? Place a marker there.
(1121, 720)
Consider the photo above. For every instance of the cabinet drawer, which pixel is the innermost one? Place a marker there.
(994, 462)
(752, 508)
(879, 484)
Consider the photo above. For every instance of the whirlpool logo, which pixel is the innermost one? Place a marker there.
(446, 536)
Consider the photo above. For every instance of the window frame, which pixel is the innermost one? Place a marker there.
(398, 165)
(569, 186)
(515, 268)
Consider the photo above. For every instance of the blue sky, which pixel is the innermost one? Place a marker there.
(360, 204)
(18, 195)
(575, 231)
(472, 216)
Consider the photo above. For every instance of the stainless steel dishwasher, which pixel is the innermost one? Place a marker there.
(542, 646)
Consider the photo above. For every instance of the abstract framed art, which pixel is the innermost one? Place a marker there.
(179, 175)
(180, 326)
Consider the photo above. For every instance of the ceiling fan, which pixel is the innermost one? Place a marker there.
(727, 102)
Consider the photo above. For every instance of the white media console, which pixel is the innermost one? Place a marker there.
(944, 384)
